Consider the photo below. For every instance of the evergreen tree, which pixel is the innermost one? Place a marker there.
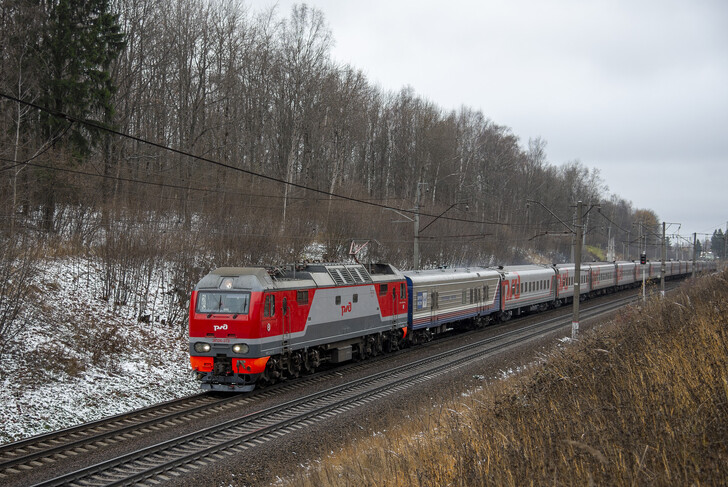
(717, 244)
(80, 41)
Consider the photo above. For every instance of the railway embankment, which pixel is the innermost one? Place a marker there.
(640, 400)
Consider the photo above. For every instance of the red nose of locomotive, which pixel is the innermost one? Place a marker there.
(224, 330)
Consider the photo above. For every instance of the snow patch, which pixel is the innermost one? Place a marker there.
(79, 358)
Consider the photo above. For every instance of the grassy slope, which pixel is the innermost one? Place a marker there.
(643, 402)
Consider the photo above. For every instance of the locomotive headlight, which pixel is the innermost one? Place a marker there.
(241, 348)
(202, 347)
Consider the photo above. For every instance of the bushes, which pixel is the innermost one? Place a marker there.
(18, 265)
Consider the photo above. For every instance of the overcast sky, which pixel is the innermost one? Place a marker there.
(637, 89)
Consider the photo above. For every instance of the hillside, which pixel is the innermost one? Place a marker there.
(642, 401)
(78, 357)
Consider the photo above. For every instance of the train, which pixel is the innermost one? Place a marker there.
(256, 325)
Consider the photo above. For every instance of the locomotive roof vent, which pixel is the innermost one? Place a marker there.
(348, 274)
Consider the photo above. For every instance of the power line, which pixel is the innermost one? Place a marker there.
(140, 140)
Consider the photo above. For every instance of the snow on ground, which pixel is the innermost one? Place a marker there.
(78, 358)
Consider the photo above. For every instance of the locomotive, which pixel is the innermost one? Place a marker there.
(250, 325)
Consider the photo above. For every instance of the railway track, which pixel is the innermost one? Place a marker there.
(165, 461)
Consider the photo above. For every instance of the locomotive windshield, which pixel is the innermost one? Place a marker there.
(226, 303)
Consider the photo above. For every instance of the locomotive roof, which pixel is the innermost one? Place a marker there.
(302, 276)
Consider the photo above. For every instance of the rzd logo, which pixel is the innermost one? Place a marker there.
(220, 327)
(346, 308)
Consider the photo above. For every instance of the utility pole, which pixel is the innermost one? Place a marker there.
(628, 236)
(416, 256)
(576, 232)
(577, 272)
(643, 264)
(418, 230)
(695, 248)
(662, 268)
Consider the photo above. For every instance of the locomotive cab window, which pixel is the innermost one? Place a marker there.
(302, 297)
(402, 291)
(226, 303)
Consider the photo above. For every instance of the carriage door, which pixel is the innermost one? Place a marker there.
(286, 317)
(395, 304)
(433, 314)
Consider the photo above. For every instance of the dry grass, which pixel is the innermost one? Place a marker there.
(642, 403)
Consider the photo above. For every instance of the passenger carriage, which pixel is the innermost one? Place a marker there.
(565, 282)
(440, 297)
(526, 286)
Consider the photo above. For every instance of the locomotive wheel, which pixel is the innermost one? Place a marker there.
(314, 358)
(272, 372)
(387, 344)
(378, 346)
(295, 362)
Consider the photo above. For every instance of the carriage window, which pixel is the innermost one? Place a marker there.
(402, 291)
(356, 298)
(338, 299)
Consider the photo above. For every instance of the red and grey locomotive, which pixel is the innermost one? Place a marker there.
(249, 324)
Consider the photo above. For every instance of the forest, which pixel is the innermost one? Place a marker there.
(191, 134)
